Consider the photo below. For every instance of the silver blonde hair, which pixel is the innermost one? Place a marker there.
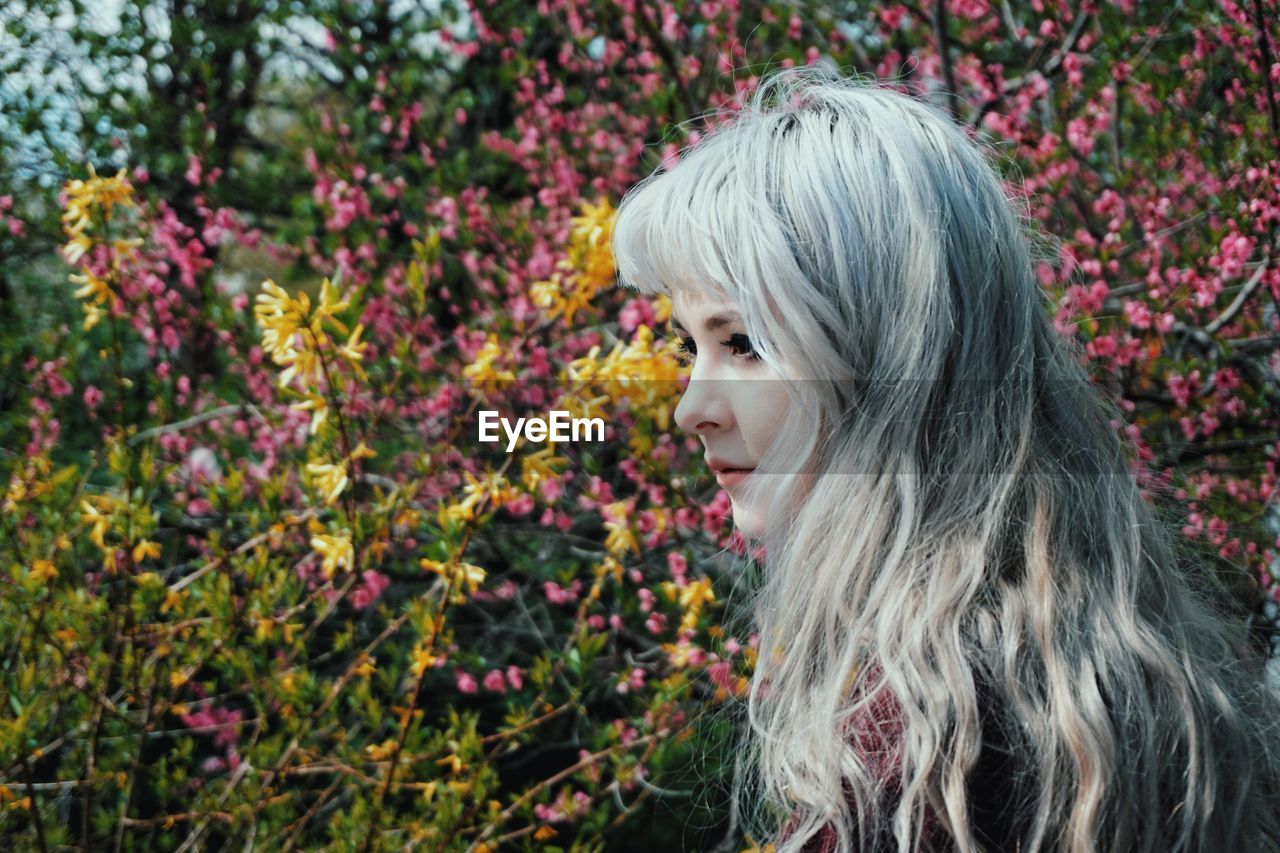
(963, 513)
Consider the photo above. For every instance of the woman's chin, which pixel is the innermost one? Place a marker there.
(746, 521)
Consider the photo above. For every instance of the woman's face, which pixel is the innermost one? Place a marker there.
(734, 402)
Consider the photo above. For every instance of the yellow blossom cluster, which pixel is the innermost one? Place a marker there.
(330, 478)
(96, 511)
(537, 467)
(84, 198)
(422, 660)
(691, 597)
(293, 334)
(335, 550)
(457, 573)
(492, 491)
(586, 271)
(620, 539)
(484, 372)
(31, 481)
(644, 371)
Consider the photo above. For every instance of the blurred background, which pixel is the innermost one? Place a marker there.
(261, 264)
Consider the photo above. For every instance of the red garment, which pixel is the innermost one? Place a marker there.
(998, 790)
(876, 730)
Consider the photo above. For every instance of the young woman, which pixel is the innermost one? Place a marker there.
(974, 633)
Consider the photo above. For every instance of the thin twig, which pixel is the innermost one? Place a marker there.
(1250, 286)
(196, 420)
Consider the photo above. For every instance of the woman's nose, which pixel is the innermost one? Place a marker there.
(704, 407)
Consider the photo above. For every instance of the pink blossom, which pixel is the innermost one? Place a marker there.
(373, 584)
(1183, 388)
(678, 563)
(466, 682)
(721, 674)
(92, 397)
(633, 681)
(495, 682)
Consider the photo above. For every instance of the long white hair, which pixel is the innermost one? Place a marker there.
(963, 520)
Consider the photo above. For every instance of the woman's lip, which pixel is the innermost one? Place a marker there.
(732, 476)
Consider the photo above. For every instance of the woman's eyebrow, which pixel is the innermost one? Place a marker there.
(715, 321)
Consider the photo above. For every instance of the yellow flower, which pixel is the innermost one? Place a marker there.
(456, 512)
(453, 762)
(662, 308)
(546, 295)
(588, 268)
(328, 307)
(336, 551)
(91, 515)
(483, 371)
(126, 247)
(366, 667)
(42, 570)
(579, 407)
(318, 407)
(303, 361)
(595, 225)
(493, 487)
(462, 574)
(353, 350)
(562, 296)
(610, 566)
(536, 467)
(362, 451)
(380, 751)
(589, 249)
(470, 575)
(93, 288)
(697, 593)
(144, 549)
(422, 660)
(644, 371)
(281, 318)
(172, 601)
(92, 316)
(620, 539)
(99, 192)
(328, 479)
(77, 248)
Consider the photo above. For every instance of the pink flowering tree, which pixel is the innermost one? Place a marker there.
(262, 580)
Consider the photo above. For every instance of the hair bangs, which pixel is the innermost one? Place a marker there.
(693, 227)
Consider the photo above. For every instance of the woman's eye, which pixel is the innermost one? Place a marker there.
(686, 349)
(740, 345)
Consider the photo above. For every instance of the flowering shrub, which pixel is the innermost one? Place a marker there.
(261, 581)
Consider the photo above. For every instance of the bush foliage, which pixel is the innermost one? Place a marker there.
(263, 586)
